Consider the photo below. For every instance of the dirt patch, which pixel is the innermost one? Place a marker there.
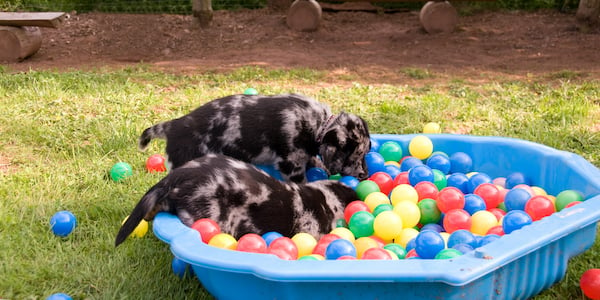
(367, 43)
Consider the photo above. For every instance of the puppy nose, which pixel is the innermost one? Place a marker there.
(363, 175)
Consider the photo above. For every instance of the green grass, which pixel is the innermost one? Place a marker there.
(62, 131)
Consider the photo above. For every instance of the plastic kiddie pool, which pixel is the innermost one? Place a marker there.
(516, 266)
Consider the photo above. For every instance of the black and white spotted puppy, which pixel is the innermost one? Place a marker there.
(242, 199)
(286, 131)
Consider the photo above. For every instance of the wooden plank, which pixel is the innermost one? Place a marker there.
(40, 19)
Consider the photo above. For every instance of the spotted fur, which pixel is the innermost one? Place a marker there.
(286, 131)
(241, 199)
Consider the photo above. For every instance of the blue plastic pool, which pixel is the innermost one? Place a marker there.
(517, 266)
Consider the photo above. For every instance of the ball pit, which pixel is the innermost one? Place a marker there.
(484, 272)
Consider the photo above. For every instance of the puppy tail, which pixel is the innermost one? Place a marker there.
(157, 131)
(146, 209)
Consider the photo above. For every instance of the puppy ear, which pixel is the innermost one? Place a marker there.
(330, 149)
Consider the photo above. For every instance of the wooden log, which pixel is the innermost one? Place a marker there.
(588, 11)
(438, 17)
(202, 10)
(304, 15)
(38, 19)
(18, 43)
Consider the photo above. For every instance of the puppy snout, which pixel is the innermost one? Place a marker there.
(363, 175)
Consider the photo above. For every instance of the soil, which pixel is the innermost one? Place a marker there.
(366, 43)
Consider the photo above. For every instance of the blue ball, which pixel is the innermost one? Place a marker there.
(474, 203)
(459, 181)
(460, 162)
(514, 220)
(439, 162)
(181, 268)
(63, 223)
(462, 236)
(375, 162)
(350, 181)
(515, 179)
(463, 248)
(486, 239)
(339, 248)
(410, 245)
(428, 243)
(392, 170)
(59, 296)
(477, 179)
(420, 173)
(271, 171)
(410, 162)
(515, 199)
(315, 174)
(374, 145)
(270, 236)
(433, 226)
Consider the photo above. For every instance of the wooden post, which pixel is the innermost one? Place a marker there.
(588, 11)
(18, 43)
(202, 10)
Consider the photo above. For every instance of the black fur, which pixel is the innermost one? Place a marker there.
(242, 199)
(287, 131)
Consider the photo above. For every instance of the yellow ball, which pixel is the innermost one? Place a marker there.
(392, 254)
(317, 256)
(445, 236)
(140, 230)
(470, 174)
(404, 192)
(393, 163)
(387, 225)
(409, 212)
(420, 147)
(223, 240)
(376, 198)
(405, 236)
(432, 127)
(482, 221)
(305, 243)
(539, 191)
(363, 244)
(344, 233)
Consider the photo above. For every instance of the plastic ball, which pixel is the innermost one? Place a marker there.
(404, 192)
(392, 170)
(323, 242)
(514, 179)
(426, 189)
(391, 151)
(341, 223)
(381, 208)
(224, 241)
(420, 173)
(409, 212)
(429, 212)
(538, 207)
(375, 162)
(460, 162)
(514, 220)
(428, 244)
(207, 228)
(474, 203)
(156, 163)
(572, 204)
(499, 213)
(497, 230)
(120, 171)
(284, 248)
(478, 179)
(589, 282)
(339, 248)
(439, 162)
(432, 128)
(450, 198)
(353, 207)
(377, 253)
(516, 199)
(140, 230)
(311, 257)
(252, 242)
(448, 254)
(350, 181)
(387, 225)
(412, 254)
(487, 239)
(305, 243)
(397, 249)
(401, 178)
(409, 162)
(315, 174)
(337, 176)
(375, 144)
(343, 233)
(433, 226)
(375, 199)
(271, 171)
(384, 181)
(420, 147)
(459, 181)
(181, 268)
(63, 223)
(490, 194)
(462, 236)
(271, 236)
(463, 248)
(439, 179)
(365, 187)
(250, 91)
(482, 221)
(499, 181)
(538, 191)
(457, 219)
(361, 224)
(565, 197)
(363, 244)
(59, 296)
(406, 236)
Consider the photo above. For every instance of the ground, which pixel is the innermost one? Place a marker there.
(367, 43)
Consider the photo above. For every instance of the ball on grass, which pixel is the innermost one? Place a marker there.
(120, 171)
(156, 163)
(63, 223)
(590, 283)
(59, 296)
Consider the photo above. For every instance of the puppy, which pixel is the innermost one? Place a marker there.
(286, 131)
(241, 199)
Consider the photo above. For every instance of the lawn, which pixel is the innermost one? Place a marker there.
(62, 131)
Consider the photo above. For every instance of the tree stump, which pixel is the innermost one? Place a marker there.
(588, 11)
(18, 43)
(202, 10)
(304, 15)
(438, 17)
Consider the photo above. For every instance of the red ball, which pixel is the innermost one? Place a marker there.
(353, 207)
(252, 242)
(450, 198)
(401, 178)
(384, 181)
(496, 230)
(499, 213)
(323, 242)
(284, 248)
(155, 163)
(489, 193)
(346, 257)
(376, 253)
(572, 204)
(457, 219)
(411, 253)
(590, 283)
(426, 190)
(207, 228)
(379, 241)
(538, 207)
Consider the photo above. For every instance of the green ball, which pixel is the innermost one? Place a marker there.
(502, 206)
(397, 249)
(361, 224)
(250, 91)
(365, 187)
(565, 197)
(337, 176)
(430, 213)
(439, 179)
(341, 223)
(381, 208)
(448, 253)
(391, 151)
(120, 171)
